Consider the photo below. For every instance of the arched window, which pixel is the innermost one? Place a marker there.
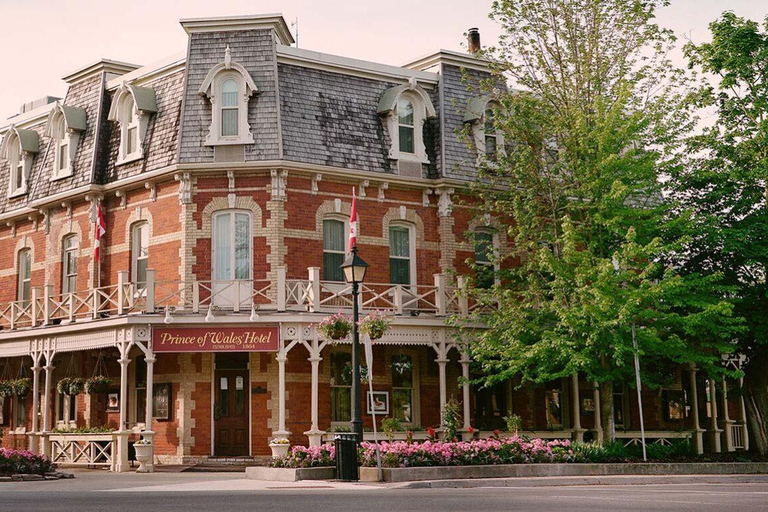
(484, 265)
(64, 126)
(131, 130)
(232, 246)
(333, 249)
(405, 126)
(491, 136)
(18, 181)
(131, 108)
(402, 257)
(70, 249)
(25, 276)
(139, 253)
(229, 108)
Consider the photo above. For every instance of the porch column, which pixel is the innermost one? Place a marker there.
(727, 421)
(578, 432)
(47, 403)
(148, 432)
(33, 444)
(744, 429)
(282, 357)
(465, 389)
(598, 410)
(715, 431)
(122, 433)
(697, 430)
(442, 361)
(314, 433)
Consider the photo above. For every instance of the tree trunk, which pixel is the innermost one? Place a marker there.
(606, 408)
(756, 400)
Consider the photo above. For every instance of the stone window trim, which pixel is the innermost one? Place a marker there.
(19, 147)
(344, 220)
(64, 126)
(131, 108)
(139, 252)
(211, 88)
(476, 116)
(422, 110)
(70, 254)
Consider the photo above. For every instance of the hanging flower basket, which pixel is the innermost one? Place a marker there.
(375, 325)
(22, 387)
(70, 386)
(347, 372)
(401, 364)
(63, 386)
(98, 384)
(6, 389)
(335, 327)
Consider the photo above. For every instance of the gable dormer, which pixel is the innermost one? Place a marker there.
(19, 148)
(131, 108)
(64, 126)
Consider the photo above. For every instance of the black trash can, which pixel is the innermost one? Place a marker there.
(346, 457)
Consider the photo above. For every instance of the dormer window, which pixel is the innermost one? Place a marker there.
(228, 86)
(18, 149)
(65, 124)
(404, 109)
(488, 139)
(131, 108)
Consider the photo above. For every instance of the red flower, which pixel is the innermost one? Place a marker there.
(471, 430)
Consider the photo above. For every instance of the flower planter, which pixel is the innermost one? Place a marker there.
(144, 455)
(279, 449)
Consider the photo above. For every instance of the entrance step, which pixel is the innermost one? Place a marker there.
(227, 464)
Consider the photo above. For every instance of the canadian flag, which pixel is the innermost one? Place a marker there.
(99, 230)
(353, 223)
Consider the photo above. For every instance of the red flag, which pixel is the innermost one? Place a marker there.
(99, 230)
(353, 223)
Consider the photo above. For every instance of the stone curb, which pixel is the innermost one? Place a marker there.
(36, 478)
(585, 480)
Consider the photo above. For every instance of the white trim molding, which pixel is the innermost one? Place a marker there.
(422, 110)
(212, 87)
(64, 126)
(19, 147)
(131, 108)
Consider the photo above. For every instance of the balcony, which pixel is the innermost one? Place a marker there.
(283, 294)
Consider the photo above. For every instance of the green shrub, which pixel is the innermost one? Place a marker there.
(451, 419)
(389, 426)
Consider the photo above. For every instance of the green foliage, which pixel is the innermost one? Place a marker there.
(598, 124)
(679, 449)
(451, 419)
(514, 423)
(389, 426)
(103, 429)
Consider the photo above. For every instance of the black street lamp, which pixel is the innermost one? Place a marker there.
(354, 269)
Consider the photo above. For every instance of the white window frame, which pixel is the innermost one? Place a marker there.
(66, 272)
(22, 280)
(411, 248)
(131, 115)
(344, 350)
(494, 248)
(480, 134)
(211, 88)
(345, 223)
(136, 246)
(422, 110)
(67, 140)
(233, 249)
(20, 166)
(64, 419)
(415, 382)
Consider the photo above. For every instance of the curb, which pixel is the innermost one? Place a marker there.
(585, 480)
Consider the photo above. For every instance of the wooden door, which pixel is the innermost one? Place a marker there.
(230, 412)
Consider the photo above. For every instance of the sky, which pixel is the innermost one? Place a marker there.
(43, 40)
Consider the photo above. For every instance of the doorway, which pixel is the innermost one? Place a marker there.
(231, 404)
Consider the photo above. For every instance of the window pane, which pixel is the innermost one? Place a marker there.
(399, 242)
(402, 371)
(132, 142)
(223, 248)
(402, 406)
(19, 176)
(63, 156)
(144, 241)
(489, 127)
(399, 271)
(483, 247)
(332, 266)
(242, 246)
(339, 362)
(25, 264)
(229, 90)
(490, 147)
(405, 112)
(406, 139)
(229, 120)
(128, 109)
(141, 270)
(341, 402)
(333, 235)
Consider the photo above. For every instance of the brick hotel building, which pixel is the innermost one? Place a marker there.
(224, 175)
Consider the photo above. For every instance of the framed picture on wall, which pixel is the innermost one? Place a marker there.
(113, 401)
(377, 401)
(161, 401)
(675, 405)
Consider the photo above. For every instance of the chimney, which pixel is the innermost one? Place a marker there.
(473, 40)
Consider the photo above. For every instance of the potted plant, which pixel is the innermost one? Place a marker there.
(389, 426)
(144, 454)
(335, 327)
(22, 387)
(76, 386)
(375, 325)
(6, 388)
(98, 384)
(279, 447)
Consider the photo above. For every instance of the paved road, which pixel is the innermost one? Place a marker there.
(225, 493)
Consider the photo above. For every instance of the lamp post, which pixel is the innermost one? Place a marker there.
(354, 269)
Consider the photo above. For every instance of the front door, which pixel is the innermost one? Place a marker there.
(231, 405)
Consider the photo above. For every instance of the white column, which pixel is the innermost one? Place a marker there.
(314, 433)
(697, 430)
(727, 421)
(282, 357)
(122, 433)
(148, 433)
(744, 429)
(578, 432)
(33, 444)
(715, 434)
(465, 389)
(598, 415)
(47, 403)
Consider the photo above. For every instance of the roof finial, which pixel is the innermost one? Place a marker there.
(227, 58)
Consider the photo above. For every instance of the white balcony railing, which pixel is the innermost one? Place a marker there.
(280, 294)
(82, 449)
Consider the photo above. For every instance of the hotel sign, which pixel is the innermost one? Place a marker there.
(224, 339)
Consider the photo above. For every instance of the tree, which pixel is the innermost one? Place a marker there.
(595, 122)
(725, 185)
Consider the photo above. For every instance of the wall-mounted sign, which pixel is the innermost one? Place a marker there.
(220, 339)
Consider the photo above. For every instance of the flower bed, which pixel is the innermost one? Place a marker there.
(512, 450)
(19, 462)
(303, 457)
